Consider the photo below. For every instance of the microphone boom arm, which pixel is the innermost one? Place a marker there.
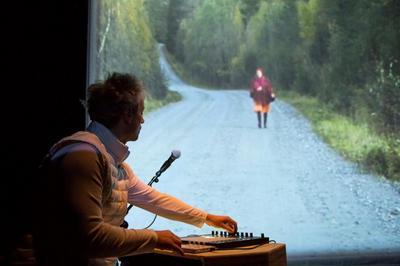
(174, 155)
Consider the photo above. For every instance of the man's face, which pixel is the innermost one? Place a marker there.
(138, 120)
(259, 73)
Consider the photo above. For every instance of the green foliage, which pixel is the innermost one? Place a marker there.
(248, 8)
(333, 50)
(177, 11)
(157, 11)
(152, 104)
(183, 72)
(126, 44)
(307, 20)
(271, 34)
(212, 39)
(386, 92)
(353, 140)
(343, 53)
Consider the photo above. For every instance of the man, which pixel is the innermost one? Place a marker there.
(85, 187)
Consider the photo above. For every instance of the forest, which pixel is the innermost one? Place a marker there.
(344, 54)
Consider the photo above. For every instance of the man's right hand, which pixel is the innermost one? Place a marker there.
(168, 240)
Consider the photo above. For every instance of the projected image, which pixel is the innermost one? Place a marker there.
(286, 114)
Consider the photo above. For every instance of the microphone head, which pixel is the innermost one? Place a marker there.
(176, 154)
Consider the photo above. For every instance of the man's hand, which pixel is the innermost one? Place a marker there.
(168, 240)
(224, 222)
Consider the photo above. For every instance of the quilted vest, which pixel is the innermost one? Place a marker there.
(115, 182)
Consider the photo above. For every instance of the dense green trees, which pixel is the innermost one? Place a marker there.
(177, 11)
(157, 11)
(211, 40)
(357, 45)
(125, 43)
(345, 52)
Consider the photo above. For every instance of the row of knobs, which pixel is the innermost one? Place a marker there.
(198, 243)
(237, 234)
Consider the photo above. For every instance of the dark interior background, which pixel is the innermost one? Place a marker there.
(44, 64)
(44, 77)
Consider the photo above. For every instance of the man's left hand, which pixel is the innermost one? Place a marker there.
(224, 222)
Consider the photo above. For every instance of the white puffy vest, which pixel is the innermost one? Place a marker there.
(115, 184)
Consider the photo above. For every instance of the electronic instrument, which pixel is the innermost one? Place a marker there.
(223, 240)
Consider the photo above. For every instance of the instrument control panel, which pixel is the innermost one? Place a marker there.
(225, 240)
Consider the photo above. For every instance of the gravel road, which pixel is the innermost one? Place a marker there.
(283, 181)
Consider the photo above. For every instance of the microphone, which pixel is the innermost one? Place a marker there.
(175, 154)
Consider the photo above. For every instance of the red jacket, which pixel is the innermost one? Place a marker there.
(261, 96)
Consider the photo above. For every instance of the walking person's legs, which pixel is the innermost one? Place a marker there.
(265, 119)
(259, 119)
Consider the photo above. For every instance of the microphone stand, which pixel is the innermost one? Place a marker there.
(153, 179)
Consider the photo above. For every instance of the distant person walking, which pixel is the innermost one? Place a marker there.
(262, 93)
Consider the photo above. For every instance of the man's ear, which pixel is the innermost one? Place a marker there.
(127, 117)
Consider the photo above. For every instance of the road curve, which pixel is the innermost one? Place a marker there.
(283, 181)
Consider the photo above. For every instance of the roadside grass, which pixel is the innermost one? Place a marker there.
(355, 141)
(152, 104)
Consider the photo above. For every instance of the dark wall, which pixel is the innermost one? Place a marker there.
(45, 78)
